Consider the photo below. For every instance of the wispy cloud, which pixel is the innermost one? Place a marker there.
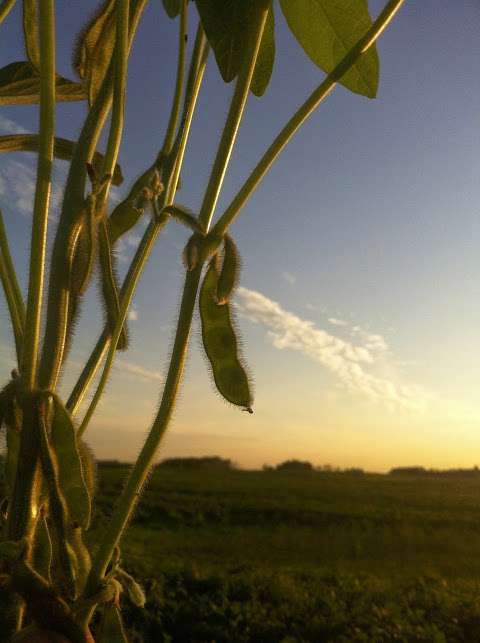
(289, 278)
(353, 365)
(140, 371)
(17, 187)
(11, 127)
(337, 322)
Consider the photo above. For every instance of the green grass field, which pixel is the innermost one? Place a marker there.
(269, 556)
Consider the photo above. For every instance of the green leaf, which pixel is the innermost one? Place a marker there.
(30, 31)
(327, 30)
(96, 43)
(265, 58)
(70, 473)
(94, 48)
(63, 149)
(20, 85)
(111, 626)
(172, 7)
(226, 24)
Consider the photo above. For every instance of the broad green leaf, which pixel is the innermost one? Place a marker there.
(327, 30)
(20, 85)
(94, 48)
(111, 626)
(172, 7)
(70, 473)
(63, 149)
(96, 43)
(30, 31)
(226, 24)
(265, 58)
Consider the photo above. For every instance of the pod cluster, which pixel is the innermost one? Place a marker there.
(218, 330)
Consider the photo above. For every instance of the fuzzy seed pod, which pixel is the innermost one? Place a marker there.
(134, 590)
(59, 511)
(220, 343)
(110, 288)
(230, 271)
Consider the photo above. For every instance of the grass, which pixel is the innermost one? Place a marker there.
(268, 556)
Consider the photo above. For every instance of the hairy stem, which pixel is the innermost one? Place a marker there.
(5, 8)
(195, 78)
(141, 256)
(56, 326)
(234, 118)
(42, 193)
(12, 290)
(301, 115)
(89, 371)
(177, 99)
(139, 473)
(119, 89)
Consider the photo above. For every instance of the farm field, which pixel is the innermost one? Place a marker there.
(270, 556)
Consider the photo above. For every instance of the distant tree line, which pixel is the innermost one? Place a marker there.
(206, 462)
(444, 473)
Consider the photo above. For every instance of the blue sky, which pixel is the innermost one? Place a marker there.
(359, 305)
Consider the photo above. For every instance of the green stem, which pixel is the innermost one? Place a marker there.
(56, 325)
(177, 99)
(12, 290)
(136, 268)
(234, 118)
(139, 473)
(5, 9)
(42, 192)
(195, 78)
(301, 115)
(119, 89)
(89, 371)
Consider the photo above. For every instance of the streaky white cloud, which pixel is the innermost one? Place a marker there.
(351, 364)
(289, 278)
(337, 322)
(136, 369)
(17, 187)
(11, 127)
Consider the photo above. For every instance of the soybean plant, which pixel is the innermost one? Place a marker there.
(51, 581)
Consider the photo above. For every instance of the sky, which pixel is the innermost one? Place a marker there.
(359, 301)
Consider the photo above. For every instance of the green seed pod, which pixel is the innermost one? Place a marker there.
(58, 509)
(85, 253)
(82, 557)
(230, 272)
(134, 590)
(89, 467)
(109, 285)
(220, 343)
(42, 550)
(209, 246)
(128, 212)
(73, 480)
